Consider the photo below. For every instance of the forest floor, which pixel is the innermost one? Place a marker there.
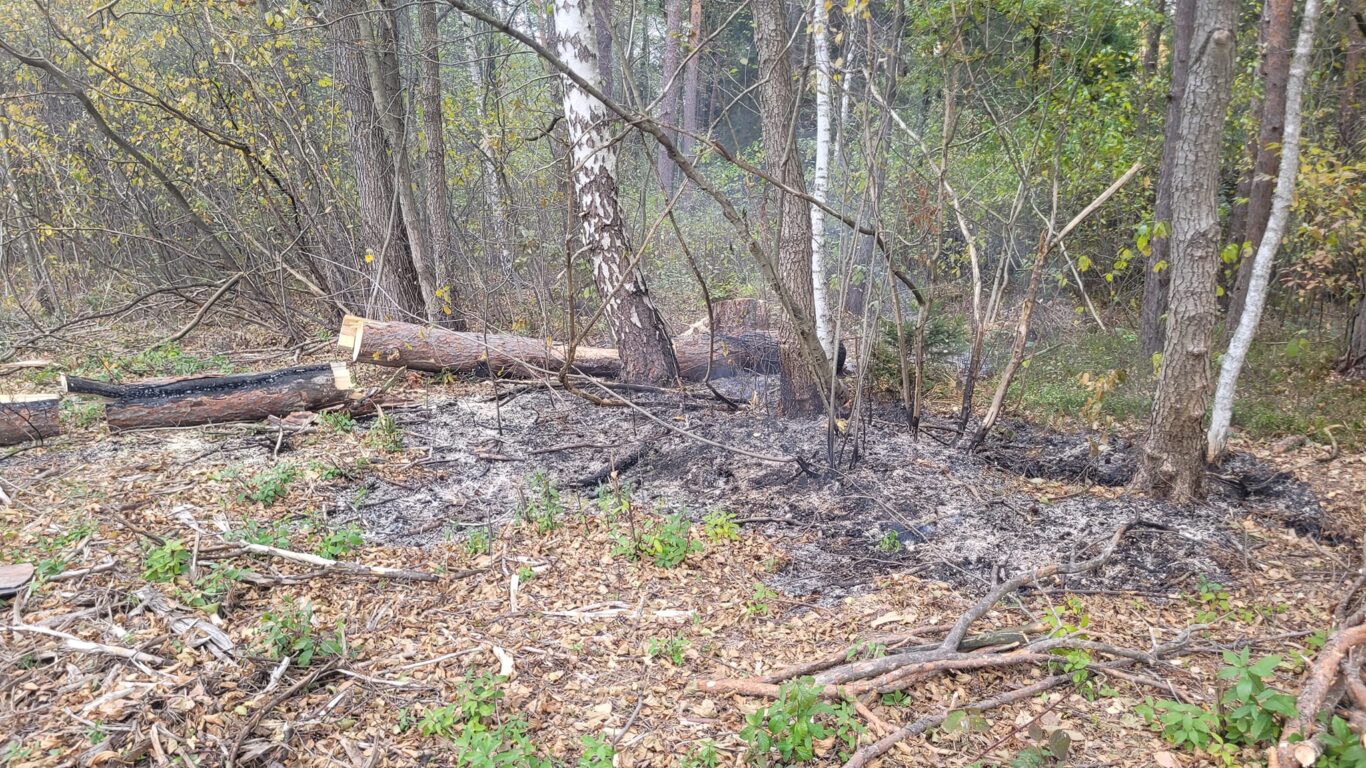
(605, 599)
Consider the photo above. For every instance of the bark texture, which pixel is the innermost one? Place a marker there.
(1273, 72)
(690, 78)
(28, 417)
(220, 399)
(641, 338)
(1172, 459)
(820, 183)
(788, 219)
(1351, 95)
(394, 292)
(1157, 274)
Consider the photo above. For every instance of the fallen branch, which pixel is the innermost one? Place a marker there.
(85, 646)
(337, 566)
(28, 417)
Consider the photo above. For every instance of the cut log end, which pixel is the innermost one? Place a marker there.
(28, 417)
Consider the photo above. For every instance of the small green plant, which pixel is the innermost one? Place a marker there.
(166, 562)
(289, 632)
(49, 567)
(758, 603)
(271, 485)
(477, 542)
(719, 525)
(790, 727)
(1250, 713)
(80, 413)
(895, 699)
(866, 650)
(704, 756)
(890, 543)
(266, 534)
(96, 733)
(341, 542)
(385, 435)
(614, 500)
(667, 542)
(526, 573)
(671, 648)
(471, 723)
(543, 507)
(1212, 600)
(597, 753)
(211, 587)
(1341, 746)
(337, 421)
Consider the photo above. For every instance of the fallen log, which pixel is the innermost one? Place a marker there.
(219, 399)
(422, 348)
(28, 417)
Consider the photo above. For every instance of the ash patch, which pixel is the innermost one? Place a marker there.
(1084, 457)
(964, 519)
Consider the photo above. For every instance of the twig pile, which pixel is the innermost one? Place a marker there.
(1334, 684)
(906, 662)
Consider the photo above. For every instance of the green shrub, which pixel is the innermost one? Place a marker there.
(477, 542)
(758, 603)
(289, 632)
(385, 435)
(667, 542)
(890, 543)
(165, 562)
(337, 421)
(720, 525)
(792, 724)
(341, 542)
(945, 336)
(271, 485)
(542, 508)
(671, 648)
(614, 500)
(472, 724)
(597, 753)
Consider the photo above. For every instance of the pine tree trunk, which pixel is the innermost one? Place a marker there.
(1157, 271)
(790, 224)
(438, 196)
(646, 354)
(1260, 272)
(669, 86)
(1273, 72)
(1172, 459)
(820, 23)
(1353, 362)
(394, 293)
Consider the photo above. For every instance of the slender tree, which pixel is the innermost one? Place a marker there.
(669, 84)
(820, 183)
(1273, 73)
(1172, 458)
(1260, 276)
(642, 341)
(691, 72)
(438, 196)
(1156, 274)
(790, 224)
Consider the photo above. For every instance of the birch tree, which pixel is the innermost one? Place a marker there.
(1217, 436)
(820, 183)
(646, 353)
(1171, 461)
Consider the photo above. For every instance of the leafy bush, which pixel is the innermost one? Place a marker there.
(614, 500)
(704, 756)
(720, 525)
(341, 542)
(1250, 713)
(597, 753)
(667, 542)
(479, 739)
(945, 337)
(758, 603)
(791, 725)
(337, 421)
(671, 648)
(166, 562)
(543, 507)
(289, 632)
(266, 534)
(890, 543)
(477, 542)
(271, 485)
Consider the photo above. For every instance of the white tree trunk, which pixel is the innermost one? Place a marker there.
(646, 353)
(1217, 436)
(820, 23)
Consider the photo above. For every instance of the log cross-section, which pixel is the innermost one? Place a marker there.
(219, 399)
(28, 417)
